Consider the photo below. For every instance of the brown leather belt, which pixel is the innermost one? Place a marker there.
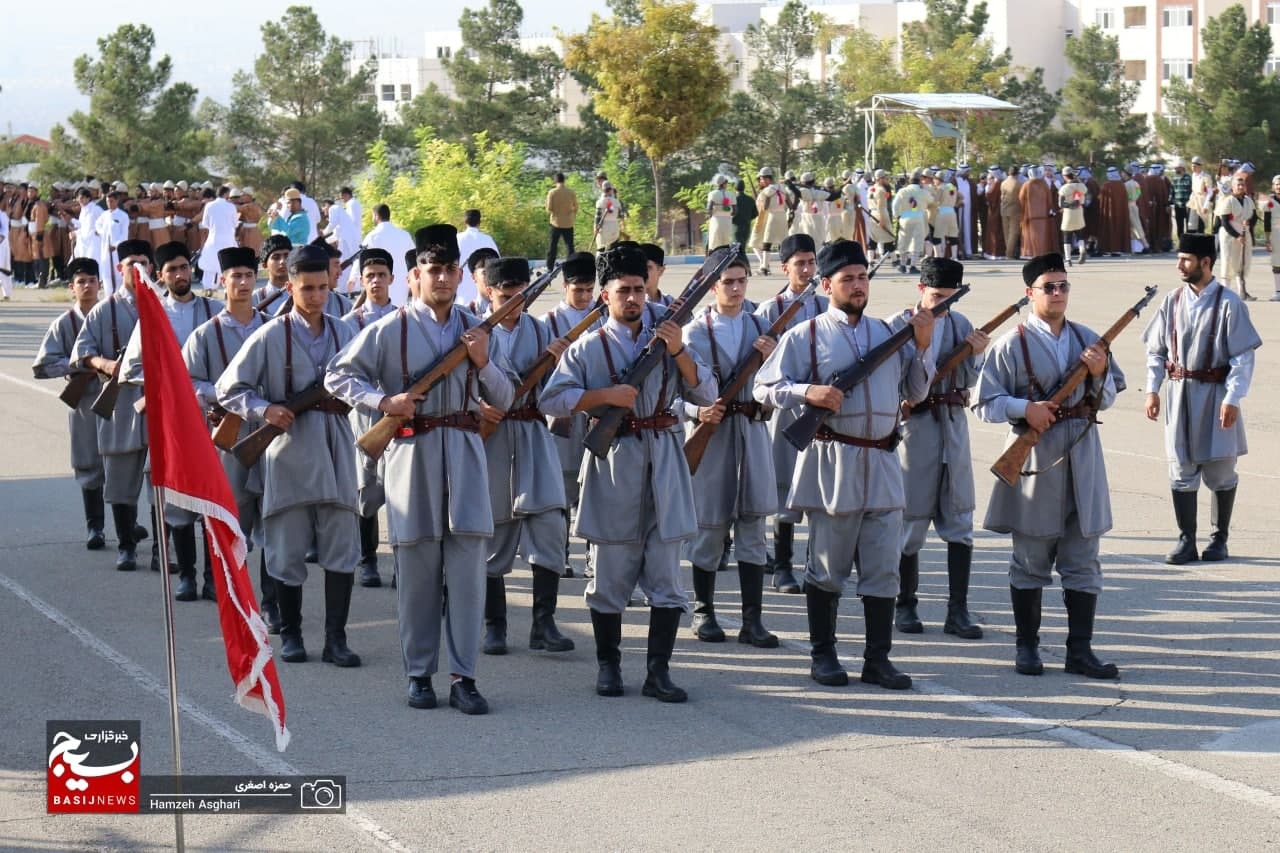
(1214, 375)
(332, 406)
(660, 421)
(749, 409)
(524, 413)
(421, 424)
(889, 442)
(1084, 409)
(954, 397)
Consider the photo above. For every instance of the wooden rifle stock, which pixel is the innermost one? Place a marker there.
(696, 445)
(958, 355)
(105, 405)
(375, 441)
(251, 448)
(602, 433)
(1008, 468)
(801, 431)
(77, 386)
(545, 362)
(227, 431)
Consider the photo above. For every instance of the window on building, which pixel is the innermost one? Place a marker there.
(443, 52)
(1179, 69)
(1135, 17)
(1272, 66)
(737, 68)
(1105, 19)
(406, 92)
(1176, 16)
(1135, 70)
(1273, 14)
(388, 92)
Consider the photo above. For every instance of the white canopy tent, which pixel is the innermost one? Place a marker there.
(946, 114)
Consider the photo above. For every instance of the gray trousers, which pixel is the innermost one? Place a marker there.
(705, 548)
(123, 476)
(1074, 555)
(868, 541)
(424, 569)
(539, 537)
(92, 476)
(288, 534)
(652, 563)
(1218, 475)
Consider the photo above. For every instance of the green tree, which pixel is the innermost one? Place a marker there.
(1231, 107)
(138, 126)
(660, 83)
(300, 115)
(945, 22)
(1097, 119)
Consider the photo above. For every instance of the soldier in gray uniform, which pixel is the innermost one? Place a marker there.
(275, 260)
(527, 497)
(936, 467)
(308, 474)
(1202, 342)
(336, 305)
(207, 352)
(579, 275)
(122, 438)
(799, 262)
(734, 487)
(185, 312)
(376, 272)
(54, 360)
(1061, 507)
(437, 485)
(848, 479)
(637, 503)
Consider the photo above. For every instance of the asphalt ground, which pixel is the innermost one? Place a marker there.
(1182, 753)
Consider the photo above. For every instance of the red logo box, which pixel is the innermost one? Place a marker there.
(94, 766)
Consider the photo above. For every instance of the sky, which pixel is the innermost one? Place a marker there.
(207, 47)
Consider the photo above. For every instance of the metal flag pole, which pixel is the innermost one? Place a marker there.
(170, 646)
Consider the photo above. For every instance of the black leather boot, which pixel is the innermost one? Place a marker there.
(544, 634)
(705, 627)
(292, 649)
(495, 616)
(607, 628)
(823, 608)
(1026, 617)
(369, 576)
(94, 518)
(959, 566)
(751, 581)
(1220, 517)
(784, 579)
(270, 608)
(208, 591)
(664, 622)
(876, 666)
(125, 517)
(1184, 512)
(337, 607)
(1080, 657)
(906, 617)
(184, 547)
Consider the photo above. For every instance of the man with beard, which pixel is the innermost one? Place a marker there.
(849, 480)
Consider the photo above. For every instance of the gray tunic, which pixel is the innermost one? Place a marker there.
(369, 472)
(421, 504)
(1193, 434)
(54, 360)
(735, 478)
(569, 448)
(336, 305)
(207, 353)
(273, 297)
(1039, 506)
(105, 333)
(784, 455)
(522, 460)
(941, 436)
(832, 477)
(312, 462)
(607, 509)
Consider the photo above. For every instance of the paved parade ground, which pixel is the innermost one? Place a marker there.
(1183, 753)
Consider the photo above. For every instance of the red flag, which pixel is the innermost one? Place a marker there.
(185, 463)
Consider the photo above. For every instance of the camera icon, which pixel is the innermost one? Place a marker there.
(321, 794)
